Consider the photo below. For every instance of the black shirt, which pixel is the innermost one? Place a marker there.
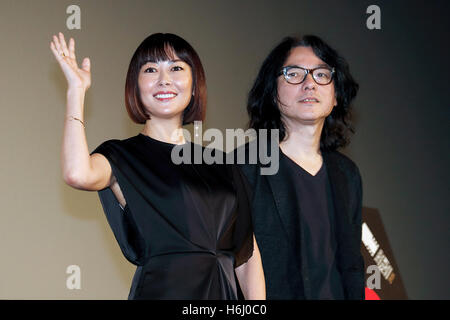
(315, 220)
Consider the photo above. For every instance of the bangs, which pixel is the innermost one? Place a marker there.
(155, 52)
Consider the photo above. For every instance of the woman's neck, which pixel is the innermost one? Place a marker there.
(166, 130)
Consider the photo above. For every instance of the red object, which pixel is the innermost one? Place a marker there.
(371, 295)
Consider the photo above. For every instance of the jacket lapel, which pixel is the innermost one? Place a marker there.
(284, 198)
(340, 193)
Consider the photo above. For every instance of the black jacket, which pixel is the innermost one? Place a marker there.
(273, 209)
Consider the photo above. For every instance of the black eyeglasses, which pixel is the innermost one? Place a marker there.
(296, 74)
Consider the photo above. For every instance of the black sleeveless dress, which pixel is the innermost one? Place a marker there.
(185, 226)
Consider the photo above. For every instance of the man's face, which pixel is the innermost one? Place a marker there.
(307, 102)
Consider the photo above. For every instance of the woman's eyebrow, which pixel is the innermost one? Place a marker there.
(156, 62)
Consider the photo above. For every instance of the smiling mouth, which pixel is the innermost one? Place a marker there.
(165, 96)
(309, 100)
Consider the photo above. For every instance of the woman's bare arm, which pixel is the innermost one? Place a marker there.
(80, 170)
(251, 276)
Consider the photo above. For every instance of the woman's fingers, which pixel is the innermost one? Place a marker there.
(57, 53)
(86, 65)
(58, 50)
(72, 49)
(54, 50)
(63, 44)
(57, 45)
(61, 52)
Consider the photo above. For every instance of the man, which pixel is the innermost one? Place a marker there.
(307, 216)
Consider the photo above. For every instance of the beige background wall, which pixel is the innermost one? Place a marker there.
(400, 144)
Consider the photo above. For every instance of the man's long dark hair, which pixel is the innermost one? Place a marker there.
(262, 105)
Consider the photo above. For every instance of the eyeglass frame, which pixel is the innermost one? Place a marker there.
(308, 71)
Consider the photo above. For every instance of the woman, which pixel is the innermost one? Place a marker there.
(187, 227)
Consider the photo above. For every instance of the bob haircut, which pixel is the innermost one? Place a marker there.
(162, 47)
(262, 103)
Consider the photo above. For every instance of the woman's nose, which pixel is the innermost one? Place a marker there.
(164, 78)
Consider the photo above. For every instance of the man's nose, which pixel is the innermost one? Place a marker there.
(309, 83)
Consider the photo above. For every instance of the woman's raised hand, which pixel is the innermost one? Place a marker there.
(76, 77)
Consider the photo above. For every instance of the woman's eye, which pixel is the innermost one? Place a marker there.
(177, 68)
(150, 70)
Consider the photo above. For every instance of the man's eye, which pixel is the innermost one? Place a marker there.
(322, 75)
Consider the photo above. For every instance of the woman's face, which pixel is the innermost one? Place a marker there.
(320, 98)
(165, 87)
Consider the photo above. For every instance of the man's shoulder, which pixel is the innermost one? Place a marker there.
(241, 157)
(243, 153)
(339, 159)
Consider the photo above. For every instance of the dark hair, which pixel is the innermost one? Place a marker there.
(262, 105)
(160, 47)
